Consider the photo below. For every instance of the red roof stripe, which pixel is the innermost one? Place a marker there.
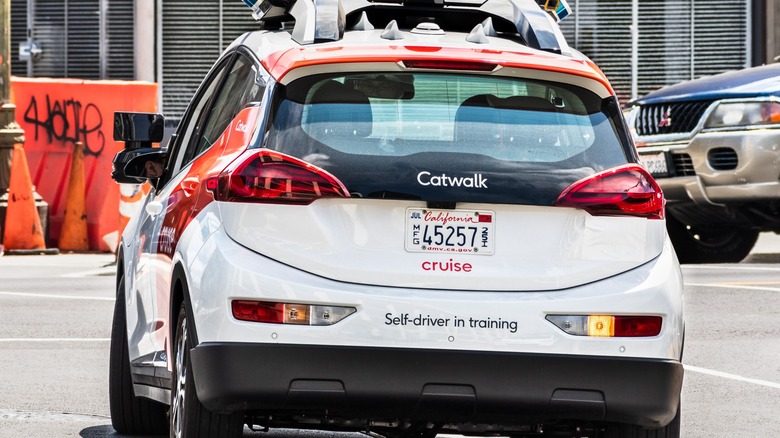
(282, 62)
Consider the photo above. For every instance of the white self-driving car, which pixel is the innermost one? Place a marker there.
(402, 218)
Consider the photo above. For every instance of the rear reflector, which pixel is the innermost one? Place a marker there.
(289, 313)
(608, 326)
(263, 175)
(622, 191)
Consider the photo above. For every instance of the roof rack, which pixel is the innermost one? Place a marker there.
(535, 21)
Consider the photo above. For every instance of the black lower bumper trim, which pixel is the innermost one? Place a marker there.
(474, 387)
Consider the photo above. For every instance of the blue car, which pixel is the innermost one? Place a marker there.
(713, 145)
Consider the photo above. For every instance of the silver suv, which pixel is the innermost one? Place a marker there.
(713, 144)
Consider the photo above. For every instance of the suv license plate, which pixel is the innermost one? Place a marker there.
(450, 231)
(656, 164)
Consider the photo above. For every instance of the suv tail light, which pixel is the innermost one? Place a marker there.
(263, 175)
(623, 191)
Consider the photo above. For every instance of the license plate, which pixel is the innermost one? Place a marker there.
(656, 164)
(450, 231)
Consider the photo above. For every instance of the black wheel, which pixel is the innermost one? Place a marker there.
(189, 418)
(671, 430)
(709, 244)
(130, 415)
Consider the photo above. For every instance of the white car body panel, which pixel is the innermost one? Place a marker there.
(537, 248)
(655, 287)
(149, 282)
(137, 239)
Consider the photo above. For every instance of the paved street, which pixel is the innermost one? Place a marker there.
(55, 319)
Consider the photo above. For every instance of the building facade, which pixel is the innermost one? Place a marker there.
(771, 36)
(172, 42)
(642, 45)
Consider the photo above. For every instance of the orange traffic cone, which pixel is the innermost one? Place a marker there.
(23, 229)
(73, 235)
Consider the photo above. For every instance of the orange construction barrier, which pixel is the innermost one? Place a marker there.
(22, 224)
(73, 236)
(54, 114)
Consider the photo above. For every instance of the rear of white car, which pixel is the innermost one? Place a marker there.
(400, 258)
(404, 231)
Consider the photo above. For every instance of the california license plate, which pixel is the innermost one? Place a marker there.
(450, 231)
(656, 164)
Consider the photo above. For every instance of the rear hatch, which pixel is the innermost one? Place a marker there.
(443, 180)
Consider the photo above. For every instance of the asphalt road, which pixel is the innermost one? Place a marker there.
(55, 320)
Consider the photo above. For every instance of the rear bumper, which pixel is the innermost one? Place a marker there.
(469, 387)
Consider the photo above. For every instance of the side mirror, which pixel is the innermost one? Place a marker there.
(138, 130)
(135, 166)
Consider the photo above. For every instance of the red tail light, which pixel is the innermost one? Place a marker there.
(608, 326)
(264, 175)
(290, 313)
(624, 191)
(258, 311)
(637, 326)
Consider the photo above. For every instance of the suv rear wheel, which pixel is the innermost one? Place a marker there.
(710, 244)
(189, 418)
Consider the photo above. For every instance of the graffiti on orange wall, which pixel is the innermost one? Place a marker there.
(57, 113)
(66, 122)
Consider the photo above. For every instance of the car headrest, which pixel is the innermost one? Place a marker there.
(338, 110)
(472, 114)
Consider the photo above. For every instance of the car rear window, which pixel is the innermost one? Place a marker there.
(355, 124)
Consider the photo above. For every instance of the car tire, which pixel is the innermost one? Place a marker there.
(702, 244)
(188, 417)
(671, 430)
(130, 415)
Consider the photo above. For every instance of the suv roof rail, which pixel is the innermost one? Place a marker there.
(535, 21)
